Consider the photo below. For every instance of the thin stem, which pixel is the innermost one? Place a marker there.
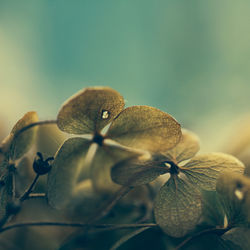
(218, 231)
(29, 190)
(81, 225)
(33, 125)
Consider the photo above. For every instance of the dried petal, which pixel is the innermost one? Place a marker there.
(132, 172)
(234, 189)
(177, 207)
(187, 147)
(16, 145)
(146, 128)
(62, 178)
(90, 110)
(6, 192)
(106, 157)
(203, 170)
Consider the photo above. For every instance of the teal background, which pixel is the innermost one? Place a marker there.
(188, 58)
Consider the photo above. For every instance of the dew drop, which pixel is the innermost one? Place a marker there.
(168, 165)
(239, 194)
(105, 114)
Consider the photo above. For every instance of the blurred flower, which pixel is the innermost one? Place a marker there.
(13, 148)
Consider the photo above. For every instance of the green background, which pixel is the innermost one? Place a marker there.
(188, 58)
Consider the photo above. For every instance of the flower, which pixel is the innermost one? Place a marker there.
(13, 148)
(177, 206)
(89, 112)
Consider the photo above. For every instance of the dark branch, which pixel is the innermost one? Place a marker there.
(79, 225)
(29, 190)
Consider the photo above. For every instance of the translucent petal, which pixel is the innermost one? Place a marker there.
(6, 192)
(106, 157)
(234, 189)
(83, 202)
(17, 145)
(187, 147)
(203, 170)
(132, 172)
(90, 110)
(145, 128)
(177, 207)
(68, 163)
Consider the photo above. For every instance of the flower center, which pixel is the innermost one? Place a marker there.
(98, 139)
(173, 168)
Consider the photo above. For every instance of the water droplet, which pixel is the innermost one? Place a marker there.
(105, 114)
(239, 194)
(168, 165)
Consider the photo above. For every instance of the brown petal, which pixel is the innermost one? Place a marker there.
(145, 128)
(90, 110)
(66, 168)
(106, 156)
(185, 149)
(203, 170)
(16, 146)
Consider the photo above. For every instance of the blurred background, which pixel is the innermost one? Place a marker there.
(188, 58)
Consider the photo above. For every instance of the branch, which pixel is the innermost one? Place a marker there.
(29, 190)
(81, 225)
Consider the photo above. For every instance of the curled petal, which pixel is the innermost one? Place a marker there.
(90, 110)
(16, 145)
(145, 128)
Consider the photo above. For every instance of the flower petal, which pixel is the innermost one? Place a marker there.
(132, 172)
(234, 190)
(90, 110)
(177, 207)
(16, 145)
(6, 192)
(145, 128)
(187, 147)
(65, 170)
(203, 170)
(106, 156)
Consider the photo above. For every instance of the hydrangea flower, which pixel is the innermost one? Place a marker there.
(88, 112)
(177, 206)
(13, 148)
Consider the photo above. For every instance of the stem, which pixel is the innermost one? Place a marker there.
(33, 125)
(29, 190)
(81, 225)
(218, 231)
